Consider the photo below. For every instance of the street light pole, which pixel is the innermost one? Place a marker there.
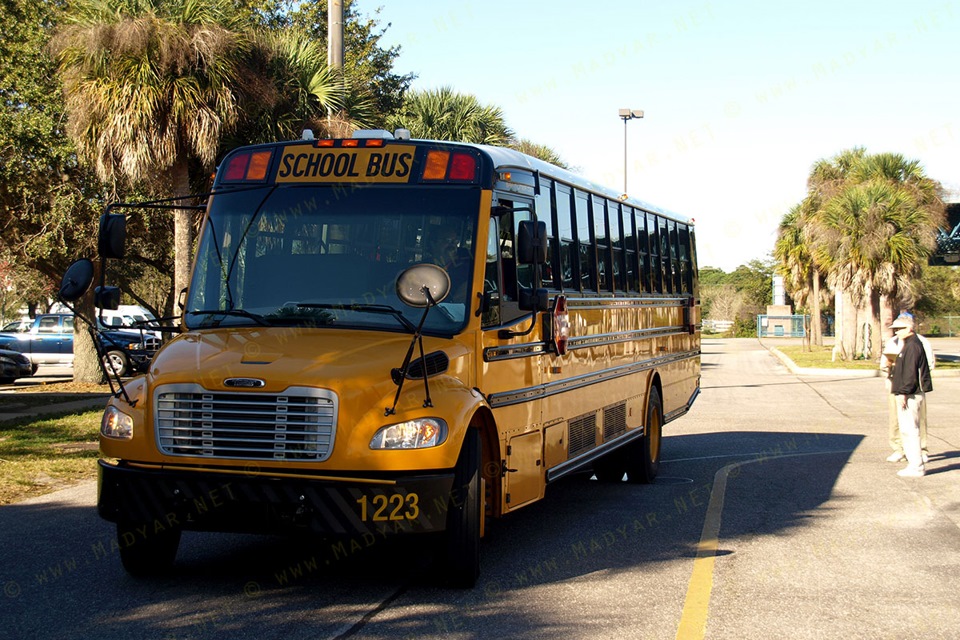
(627, 114)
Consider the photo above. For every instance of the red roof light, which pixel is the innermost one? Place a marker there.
(463, 167)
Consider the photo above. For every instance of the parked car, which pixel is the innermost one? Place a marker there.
(13, 365)
(17, 326)
(49, 340)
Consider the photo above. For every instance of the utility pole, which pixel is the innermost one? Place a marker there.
(335, 34)
(334, 43)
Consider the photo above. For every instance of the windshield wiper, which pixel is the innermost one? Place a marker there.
(369, 308)
(241, 313)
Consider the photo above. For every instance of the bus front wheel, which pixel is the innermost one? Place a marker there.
(461, 556)
(643, 458)
(146, 551)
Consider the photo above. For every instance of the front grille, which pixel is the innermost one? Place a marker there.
(299, 424)
(151, 343)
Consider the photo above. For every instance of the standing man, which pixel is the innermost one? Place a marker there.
(911, 379)
(890, 350)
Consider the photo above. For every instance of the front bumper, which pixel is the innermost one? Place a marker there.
(269, 504)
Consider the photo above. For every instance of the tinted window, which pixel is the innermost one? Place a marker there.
(565, 235)
(584, 243)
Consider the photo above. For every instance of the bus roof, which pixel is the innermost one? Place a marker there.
(496, 158)
(503, 158)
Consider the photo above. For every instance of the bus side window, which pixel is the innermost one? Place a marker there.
(587, 255)
(656, 271)
(567, 253)
(491, 278)
(545, 209)
(643, 244)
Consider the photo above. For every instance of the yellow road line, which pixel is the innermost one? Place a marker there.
(693, 620)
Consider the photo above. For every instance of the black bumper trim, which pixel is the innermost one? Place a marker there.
(211, 501)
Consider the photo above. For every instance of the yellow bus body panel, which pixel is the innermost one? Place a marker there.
(355, 365)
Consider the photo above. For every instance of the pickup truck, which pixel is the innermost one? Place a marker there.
(49, 340)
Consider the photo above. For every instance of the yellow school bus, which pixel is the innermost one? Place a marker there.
(385, 336)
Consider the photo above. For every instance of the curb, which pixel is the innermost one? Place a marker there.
(98, 402)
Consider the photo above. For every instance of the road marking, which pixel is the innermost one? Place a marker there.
(693, 620)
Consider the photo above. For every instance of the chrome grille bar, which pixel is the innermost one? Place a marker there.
(297, 424)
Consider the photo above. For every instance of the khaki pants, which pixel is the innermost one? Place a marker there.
(893, 425)
(909, 417)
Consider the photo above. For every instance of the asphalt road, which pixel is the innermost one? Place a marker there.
(774, 516)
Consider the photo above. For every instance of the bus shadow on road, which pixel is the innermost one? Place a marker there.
(584, 532)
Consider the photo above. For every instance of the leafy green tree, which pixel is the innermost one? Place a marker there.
(444, 114)
(47, 215)
(372, 90)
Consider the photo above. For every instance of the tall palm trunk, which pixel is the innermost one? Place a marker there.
(887, 313)
(183, 226)
(850, 309)
(816, 326)
(876, 325)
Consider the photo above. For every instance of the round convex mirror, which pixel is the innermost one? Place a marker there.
(76, 280)
(415, 281)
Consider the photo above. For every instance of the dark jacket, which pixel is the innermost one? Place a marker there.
(911, 373)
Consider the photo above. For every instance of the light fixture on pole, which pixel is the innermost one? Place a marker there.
(627, 114)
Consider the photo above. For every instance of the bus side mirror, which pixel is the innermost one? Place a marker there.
(533, 300)
(112, 238)
(107, 298)
(76, 280)
(532, 242)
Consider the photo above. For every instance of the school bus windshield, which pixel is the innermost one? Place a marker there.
(318, 256)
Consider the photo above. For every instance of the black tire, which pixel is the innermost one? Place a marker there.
(461, 550)
(145, 551)
(643, 455)
(611, 467)
(116, 361)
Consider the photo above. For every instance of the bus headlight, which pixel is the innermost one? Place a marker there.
(413, 434)
(116, 424)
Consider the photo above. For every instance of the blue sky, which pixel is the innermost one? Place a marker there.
(740, 97)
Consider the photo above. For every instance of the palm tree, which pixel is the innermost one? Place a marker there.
(149, 85)
(443, 114)
(152, 86)
(908, 210)
(875, 224)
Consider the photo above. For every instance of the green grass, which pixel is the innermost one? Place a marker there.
(822, 358)
(42, 455)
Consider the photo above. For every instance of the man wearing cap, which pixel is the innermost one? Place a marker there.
(911, 379)
(890, 350)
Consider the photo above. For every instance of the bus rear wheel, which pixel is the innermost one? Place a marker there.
(643, 455)
(461, 549)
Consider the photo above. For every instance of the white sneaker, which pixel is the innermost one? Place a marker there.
(897, 457)
(911, 473)
(925, 457)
